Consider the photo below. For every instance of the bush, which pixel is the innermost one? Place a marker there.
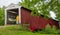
(50, 30)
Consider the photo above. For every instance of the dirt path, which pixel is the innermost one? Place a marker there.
(7, 26)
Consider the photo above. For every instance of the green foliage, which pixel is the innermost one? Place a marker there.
(44, 6)
(1, 16)
(30, 4)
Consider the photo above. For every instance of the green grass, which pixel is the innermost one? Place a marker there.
(18, 30)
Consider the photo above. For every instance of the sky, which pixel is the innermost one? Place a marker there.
(52, 14)
(7, 2)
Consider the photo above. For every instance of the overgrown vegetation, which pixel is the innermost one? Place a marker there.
(50, 30)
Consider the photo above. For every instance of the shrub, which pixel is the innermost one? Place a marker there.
(50, 30)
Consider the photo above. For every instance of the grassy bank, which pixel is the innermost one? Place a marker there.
(18, 30)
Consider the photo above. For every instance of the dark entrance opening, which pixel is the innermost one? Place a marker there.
(11, 16)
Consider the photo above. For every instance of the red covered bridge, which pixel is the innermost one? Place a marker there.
(36, 22)
(25, 18)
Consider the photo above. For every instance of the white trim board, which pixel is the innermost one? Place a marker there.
(5, 16)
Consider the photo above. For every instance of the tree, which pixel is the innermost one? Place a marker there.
(42, 6)
(1, 16)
